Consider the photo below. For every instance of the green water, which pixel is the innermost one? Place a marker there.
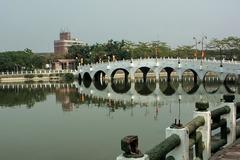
(61, 123)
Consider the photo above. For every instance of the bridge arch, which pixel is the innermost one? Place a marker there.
(87, 84)
(126, 73)
(100, 85)
(87, 77)
(169, 71)
(188, 74)
(99, 75)
(99, 80)
(167, 64)
(87, 80)
(145, 70)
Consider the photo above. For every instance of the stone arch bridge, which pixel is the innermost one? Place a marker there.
(198, 67)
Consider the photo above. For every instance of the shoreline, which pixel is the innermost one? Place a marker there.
(58, 76)
(36, 76)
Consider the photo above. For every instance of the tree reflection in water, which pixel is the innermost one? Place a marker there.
(11, 97)
(71, 98)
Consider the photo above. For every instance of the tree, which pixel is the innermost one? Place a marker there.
(80, 51)
(184, 51)
(218, 46)
(20, 60)
(160, 49)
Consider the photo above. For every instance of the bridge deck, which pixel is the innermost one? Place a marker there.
(229, 153)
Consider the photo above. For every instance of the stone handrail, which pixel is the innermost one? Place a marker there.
(36, 72)
(162, 149)
(180, 140)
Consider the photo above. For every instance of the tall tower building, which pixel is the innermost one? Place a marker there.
(65, 41)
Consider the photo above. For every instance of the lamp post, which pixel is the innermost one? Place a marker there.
(196, 43)
(178, 124)
(179, 63)
(179, 110)
(203, 54)
(221, 61)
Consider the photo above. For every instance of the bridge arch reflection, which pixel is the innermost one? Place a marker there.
(145, 88)
(212, 82)
(168, 88)
(87, 77)
(121, 87)
(190, 87)
(151, 92)
(230, 82)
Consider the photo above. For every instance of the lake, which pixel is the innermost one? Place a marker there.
(86, 121)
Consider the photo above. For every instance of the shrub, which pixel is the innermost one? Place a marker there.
(40, 75)
(68, 77)
(29, 76)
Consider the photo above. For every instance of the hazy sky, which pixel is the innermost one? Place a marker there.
(35, 24)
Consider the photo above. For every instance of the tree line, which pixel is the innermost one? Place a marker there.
(21, 60)
(228, 48)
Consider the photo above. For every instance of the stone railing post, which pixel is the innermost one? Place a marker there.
(206, 128)
(157, 76)
(181, 152)
(230, 117)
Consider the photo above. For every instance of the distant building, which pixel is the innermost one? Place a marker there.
(61, 64)
(61, 46)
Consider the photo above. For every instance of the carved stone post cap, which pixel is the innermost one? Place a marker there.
(129, 145)
(202, 106)
(228, 97)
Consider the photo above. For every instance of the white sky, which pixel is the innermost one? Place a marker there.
(35, 24)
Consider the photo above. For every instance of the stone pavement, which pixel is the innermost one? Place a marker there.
(229, 153)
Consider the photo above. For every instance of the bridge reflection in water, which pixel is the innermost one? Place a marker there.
(109, 110)
(120, 89)
(118, 93)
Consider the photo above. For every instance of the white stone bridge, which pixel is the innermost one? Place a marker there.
(198, 67)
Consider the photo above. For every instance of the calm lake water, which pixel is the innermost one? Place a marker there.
(87, 121)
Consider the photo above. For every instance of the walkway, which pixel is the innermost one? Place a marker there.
(230, 153)
(198, 67)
